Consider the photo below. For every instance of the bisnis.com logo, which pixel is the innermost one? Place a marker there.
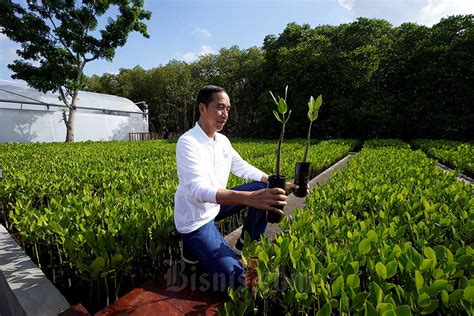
(180, 275)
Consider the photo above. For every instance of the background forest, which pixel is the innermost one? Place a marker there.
(377, 80)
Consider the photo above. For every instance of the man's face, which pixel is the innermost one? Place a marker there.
(215, 115)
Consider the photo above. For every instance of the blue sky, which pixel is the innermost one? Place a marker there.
(185, 29)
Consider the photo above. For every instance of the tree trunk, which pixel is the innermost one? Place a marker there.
(185, 116)
(70, 126)
(71, 119)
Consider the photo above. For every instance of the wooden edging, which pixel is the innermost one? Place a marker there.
(24, 286)
(293, 201)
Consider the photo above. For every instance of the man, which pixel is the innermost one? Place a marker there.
(204, 159)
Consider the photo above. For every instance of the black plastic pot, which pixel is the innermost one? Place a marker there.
(302, 172)
(275, 182)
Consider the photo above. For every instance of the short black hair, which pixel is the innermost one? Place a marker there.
(205, 94)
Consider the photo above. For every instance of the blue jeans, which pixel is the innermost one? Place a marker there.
(212, 251)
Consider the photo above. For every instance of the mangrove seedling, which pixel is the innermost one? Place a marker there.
(277, 180)
(302, 169)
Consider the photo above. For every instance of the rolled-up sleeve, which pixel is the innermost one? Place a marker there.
(243, 169)
(191, 175)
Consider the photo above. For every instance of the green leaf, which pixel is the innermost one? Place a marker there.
(463, 282)
(282, 107)
(419, 281)
(370, 309)
(312, 116)
(359, 300)
(392, 268)
(455, 296)
(289, 114)
(429, 253)
(69, 245)
(330, 268)
(445, 297)
(364, 246)
(437, 286)
(344, 302)
(301, 297)
(263, 257)
(381, 270)
(117, 259)
(427, 264)
(424, 300)
(337, 285)
(430, 308)
(325, 311)
(98, 265)
(403, 310)
(286, 92)
(396, 251)
(400, 231)
(376, 292)
(353, 281)
(277, 116)
(310, 105)
(301, 282)
(319, 102)
(384, 307)
(469, 294)
(372, 235)
(274, 99)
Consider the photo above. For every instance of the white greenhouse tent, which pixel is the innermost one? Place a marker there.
(28, 115)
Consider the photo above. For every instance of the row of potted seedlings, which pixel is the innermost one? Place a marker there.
(302, 169)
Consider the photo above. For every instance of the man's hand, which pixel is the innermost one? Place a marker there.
(290, 187)
(273, 200)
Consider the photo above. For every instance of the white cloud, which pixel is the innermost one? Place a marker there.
(8, 54)
(205, 50)
(434, 10)
(204, 33)
(191, 56)
(347, 4)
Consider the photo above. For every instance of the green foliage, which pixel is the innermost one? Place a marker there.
(313, 111)
(94, 214)
(105, 210)
(282, 107)
(322, 154)
(386, 142)
(458, 155)
(409, 81)
(390, 233)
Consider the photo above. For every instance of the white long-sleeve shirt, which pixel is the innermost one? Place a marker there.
(203, 167)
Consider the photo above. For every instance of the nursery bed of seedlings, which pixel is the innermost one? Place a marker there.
(390, 234)
(98, 217)
(321, 155)
(261, 154)
(455, 154)
(93, 216)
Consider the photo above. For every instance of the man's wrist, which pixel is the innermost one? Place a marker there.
(231, 197)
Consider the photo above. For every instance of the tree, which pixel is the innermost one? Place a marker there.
(59, 37)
